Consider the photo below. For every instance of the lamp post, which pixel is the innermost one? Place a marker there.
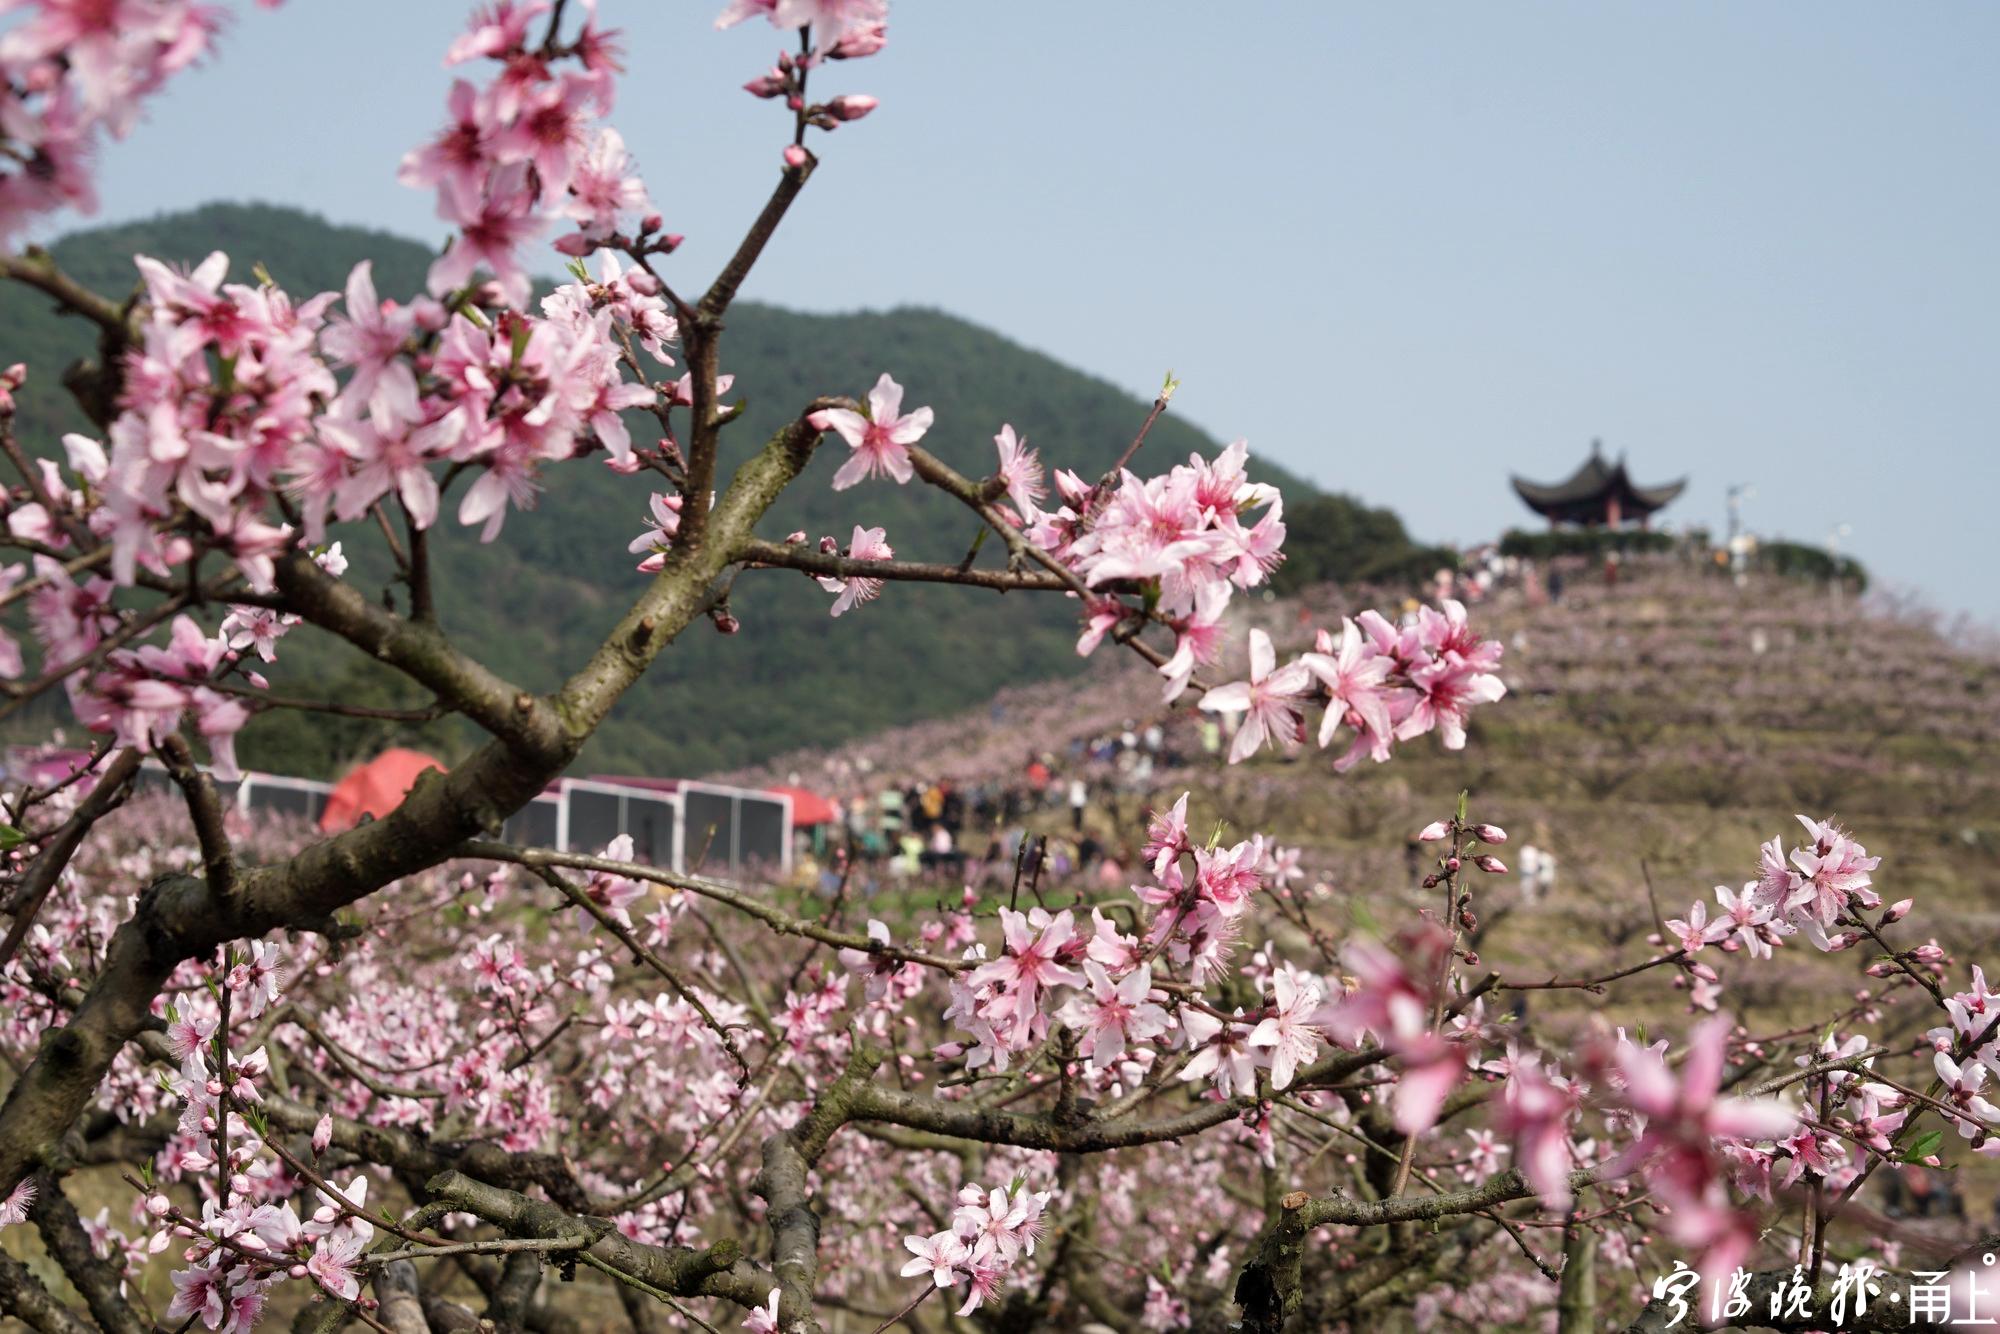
(1739, 546)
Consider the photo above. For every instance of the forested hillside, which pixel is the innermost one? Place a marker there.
(564, 570)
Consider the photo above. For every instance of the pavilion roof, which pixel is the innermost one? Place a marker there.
(1592, 485)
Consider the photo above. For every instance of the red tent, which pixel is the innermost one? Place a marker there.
(374, 788)
(808, 808)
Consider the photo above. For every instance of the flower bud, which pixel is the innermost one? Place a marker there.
(795, 538)
(642, 282)
(669, 243)
(574, 244)
(727, 623)
(1489, 833)
(159, 1206)
(1846, 940)
(1883, 969)
(1928, 953)
(767, 86)
(860, 42)
(795, 103)
(853, 106)
(1490, 864)
(1898, 911)
(1432, 832)
(1431, 881)
(794, 156)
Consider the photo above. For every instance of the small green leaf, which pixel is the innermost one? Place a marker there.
(10, 837)
(1924, 1147)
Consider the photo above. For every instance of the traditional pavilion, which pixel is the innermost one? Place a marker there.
(1598, 494)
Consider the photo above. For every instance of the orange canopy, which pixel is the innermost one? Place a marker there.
(808, 808)
(374, 789)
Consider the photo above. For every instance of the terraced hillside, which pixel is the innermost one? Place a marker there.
(1654, 734)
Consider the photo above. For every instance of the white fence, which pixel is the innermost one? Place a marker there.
(691, 827)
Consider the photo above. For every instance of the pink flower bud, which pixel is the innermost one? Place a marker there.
(795, 537)
(767, 85)
(795, 103)
(1490, 864)
(642, 282)
(429, 313)
(795, 156)
(669, 243)
(1452, 863)
(1702, 971)
(1883, 969)
(322, 1133)
(1898, 911)
(1846, 940)
(1433, 831)
(159, 1206)
(860, 42)
(727, 624)
(1489, 833)
(1928, 953)
(851, 107)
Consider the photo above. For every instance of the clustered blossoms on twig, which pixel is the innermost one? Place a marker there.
(1817, 887)
(71, 73)
(989, 1232)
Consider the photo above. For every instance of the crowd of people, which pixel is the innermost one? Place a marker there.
(1081, 802)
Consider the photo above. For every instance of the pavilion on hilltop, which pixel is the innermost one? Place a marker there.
(1598, 494)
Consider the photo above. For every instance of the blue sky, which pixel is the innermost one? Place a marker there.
(1404, 249)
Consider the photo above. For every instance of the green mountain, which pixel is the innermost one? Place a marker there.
(532, 603)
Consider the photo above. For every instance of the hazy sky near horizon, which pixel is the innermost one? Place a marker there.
(1404, 249)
